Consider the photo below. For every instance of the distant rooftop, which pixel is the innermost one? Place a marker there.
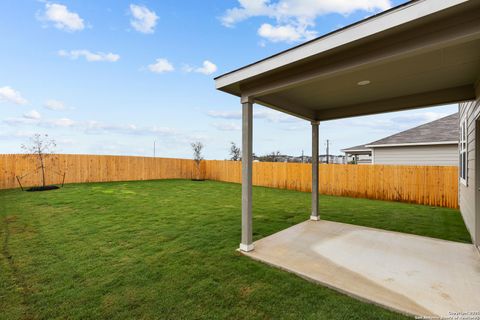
(441, 131)
(438, 131)
(361, 147)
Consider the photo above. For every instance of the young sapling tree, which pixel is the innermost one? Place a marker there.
(197, 148)
(234, 152)
(42, 147)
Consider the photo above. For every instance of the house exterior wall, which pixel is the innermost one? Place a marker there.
(467, 191)
(434, 155)
(364, 159)
(361, 158)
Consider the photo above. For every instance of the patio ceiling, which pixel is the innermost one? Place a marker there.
(420, 54)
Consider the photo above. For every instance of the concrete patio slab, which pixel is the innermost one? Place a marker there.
(411, 274)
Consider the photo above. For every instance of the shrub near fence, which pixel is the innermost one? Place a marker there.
(430, 185)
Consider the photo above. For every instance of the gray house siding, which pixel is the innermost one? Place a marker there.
(433, 155)
(361, 158)
(467, 193)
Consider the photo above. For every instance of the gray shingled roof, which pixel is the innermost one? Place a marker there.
(441, 130)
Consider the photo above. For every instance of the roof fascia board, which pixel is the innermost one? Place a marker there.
(411, 144)
(350, 151)
(402, 15)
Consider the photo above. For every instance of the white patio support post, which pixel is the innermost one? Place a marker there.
(315, 216)
(247, 166)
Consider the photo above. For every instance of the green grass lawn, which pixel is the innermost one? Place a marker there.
(166, 250)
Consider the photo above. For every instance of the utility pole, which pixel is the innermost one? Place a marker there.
(302, 157)
(328, 155)
(154, 145)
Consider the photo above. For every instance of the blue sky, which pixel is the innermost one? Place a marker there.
(112, 76)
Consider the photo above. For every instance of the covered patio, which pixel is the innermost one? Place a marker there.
(407, 273)
(420, 54)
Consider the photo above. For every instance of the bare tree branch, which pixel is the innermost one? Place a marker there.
(42, 147)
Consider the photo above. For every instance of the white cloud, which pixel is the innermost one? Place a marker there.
(62, 122)
(99, 127)
(32, 114)
(62, 18)
(11, 95)
(247, 9)
(274, 116)
(226, 126)
(30, 119)
(225, 114)
(89, 56)
(286, 33)
(207, 68)
(18, 121)
(54, 105)
(263, 113)
(16, 134)
(33, 118)
(295, 18)
(161, 66)
(144, 20)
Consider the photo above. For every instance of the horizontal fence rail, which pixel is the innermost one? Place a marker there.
(430, 185)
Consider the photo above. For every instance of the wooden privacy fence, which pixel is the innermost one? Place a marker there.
(430, 185)
(92, 168)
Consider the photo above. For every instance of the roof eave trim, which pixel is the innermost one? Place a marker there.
(411, 144)
(356, 150)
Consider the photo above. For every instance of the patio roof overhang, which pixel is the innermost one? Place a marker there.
(419, 54)
(423, 53)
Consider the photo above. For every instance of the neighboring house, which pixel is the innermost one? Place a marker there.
(432, 144)
(332, 159)
(358, 155)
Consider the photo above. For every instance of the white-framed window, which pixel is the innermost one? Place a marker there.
(463, 152)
